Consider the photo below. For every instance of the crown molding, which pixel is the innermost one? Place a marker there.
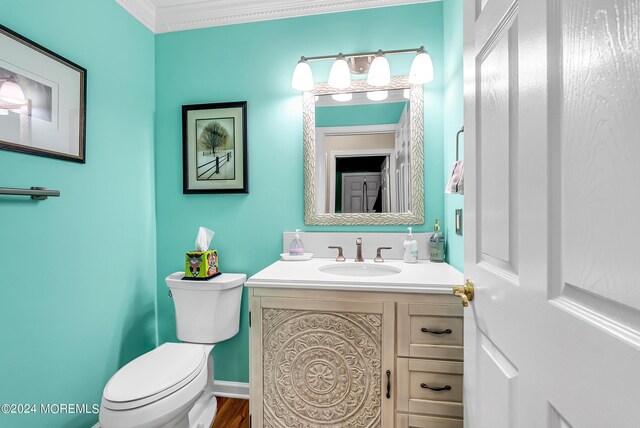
(166, 16)
(143, 10)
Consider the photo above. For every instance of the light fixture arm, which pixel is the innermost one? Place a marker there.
(363, 54)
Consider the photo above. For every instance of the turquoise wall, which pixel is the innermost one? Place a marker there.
(364, 114)
(453, 120)
(254, 62)
(79, 272)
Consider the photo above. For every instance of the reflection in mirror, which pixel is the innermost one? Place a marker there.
(362, 153)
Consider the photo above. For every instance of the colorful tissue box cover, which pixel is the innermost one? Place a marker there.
(201, 264)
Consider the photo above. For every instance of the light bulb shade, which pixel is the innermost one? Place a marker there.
(406, 94)
(343, 98)
(379, 72)
(340, 76)
(377, 95)
(302, 79)
(421, 68)
(11, 92)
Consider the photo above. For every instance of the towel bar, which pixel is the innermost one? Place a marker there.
(458, 143)
(36, 193)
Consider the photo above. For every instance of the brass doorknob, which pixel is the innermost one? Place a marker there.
(465, 292)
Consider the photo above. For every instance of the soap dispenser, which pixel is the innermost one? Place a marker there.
(410, 247)
(436, 245)
(296, 248)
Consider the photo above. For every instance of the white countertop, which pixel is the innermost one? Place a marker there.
(421, 277)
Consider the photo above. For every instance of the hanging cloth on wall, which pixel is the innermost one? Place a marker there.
(456, 179)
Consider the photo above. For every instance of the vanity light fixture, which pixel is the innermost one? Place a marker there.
(377, 95)
(302, 79)
(421, 68)
(373, 63)
(379, 72)
(340, 76)
(11, 92)
(343, 98)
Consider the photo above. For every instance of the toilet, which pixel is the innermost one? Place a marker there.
(172, 385)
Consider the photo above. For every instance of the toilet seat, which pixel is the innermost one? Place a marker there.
(154, 375)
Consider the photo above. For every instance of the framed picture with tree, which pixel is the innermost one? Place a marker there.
(214, 148)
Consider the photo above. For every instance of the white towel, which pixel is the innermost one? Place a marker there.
(456, 179)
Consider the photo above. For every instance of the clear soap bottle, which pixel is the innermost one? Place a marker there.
(436, 245)
(296, 248)
(410, 247)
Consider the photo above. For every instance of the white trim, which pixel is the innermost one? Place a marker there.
(223, 388)
(181, 16)
(143, 10)
(358, 129)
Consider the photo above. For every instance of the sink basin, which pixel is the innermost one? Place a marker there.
(359, 269)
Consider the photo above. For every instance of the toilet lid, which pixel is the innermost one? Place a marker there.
(155, 372)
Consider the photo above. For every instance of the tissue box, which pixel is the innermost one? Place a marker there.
(201, 264)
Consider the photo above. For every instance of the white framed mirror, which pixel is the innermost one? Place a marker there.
(364, 155)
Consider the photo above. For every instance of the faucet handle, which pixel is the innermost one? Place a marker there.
(340, 257)
(379, 258)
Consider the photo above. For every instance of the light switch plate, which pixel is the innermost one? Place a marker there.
(459, 222)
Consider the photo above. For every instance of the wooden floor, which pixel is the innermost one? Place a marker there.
(232, 413)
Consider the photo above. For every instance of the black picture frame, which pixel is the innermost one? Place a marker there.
(51, 119)
(214, 148)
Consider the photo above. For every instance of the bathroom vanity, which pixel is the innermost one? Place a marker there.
(356, 344)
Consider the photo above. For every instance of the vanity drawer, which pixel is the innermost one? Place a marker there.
(430, 331)
(416, 377)
(420, 421)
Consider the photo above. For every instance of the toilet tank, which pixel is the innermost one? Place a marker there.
(207, 311)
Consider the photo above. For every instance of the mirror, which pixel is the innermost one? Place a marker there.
(364, 158)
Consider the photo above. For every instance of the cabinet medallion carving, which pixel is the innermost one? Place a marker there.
(321, 369)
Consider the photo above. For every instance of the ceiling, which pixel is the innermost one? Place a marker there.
(162, 16)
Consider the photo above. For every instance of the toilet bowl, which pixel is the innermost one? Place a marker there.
(172, 385)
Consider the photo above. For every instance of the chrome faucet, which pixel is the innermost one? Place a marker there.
(359, 250)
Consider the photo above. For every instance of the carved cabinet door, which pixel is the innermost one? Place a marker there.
(319, 363)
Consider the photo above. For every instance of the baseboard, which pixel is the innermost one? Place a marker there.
(231, 389)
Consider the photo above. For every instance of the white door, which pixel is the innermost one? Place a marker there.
(359, 191)
(385, 192)
(552, 237)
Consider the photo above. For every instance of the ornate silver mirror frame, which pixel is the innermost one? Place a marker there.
(416, 103)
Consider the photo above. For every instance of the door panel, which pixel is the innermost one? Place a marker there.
(498, 378)
(321, 367)
(556, 420)
(598, 118)
(497, 92)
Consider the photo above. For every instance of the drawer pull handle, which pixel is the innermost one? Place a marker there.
(388, 383)
(426, 330)
(433, 388)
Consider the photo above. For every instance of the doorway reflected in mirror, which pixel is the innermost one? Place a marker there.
(363, 153)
